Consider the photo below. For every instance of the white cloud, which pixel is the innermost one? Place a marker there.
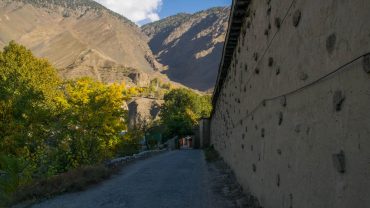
(135, 10)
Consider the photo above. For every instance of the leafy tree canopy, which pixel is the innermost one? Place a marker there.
(48, 126)
(182, 110)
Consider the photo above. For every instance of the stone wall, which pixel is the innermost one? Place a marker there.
(292, 118)
(204, 132)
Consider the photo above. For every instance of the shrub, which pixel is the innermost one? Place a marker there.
(211, 154)
(14, 172)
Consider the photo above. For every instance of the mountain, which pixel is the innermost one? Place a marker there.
(190, 45)
(80, 37)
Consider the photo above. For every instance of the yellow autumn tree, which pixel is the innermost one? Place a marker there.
(94, 119)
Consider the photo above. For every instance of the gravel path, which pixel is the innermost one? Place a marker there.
(173, 179)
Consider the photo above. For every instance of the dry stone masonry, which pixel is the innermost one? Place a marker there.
(292, 102)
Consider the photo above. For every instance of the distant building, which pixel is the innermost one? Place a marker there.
(186, 142)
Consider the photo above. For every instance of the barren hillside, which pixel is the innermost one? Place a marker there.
(190, 45)
(80, 37)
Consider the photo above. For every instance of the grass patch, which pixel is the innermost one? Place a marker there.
(75, 180)
(211, 154)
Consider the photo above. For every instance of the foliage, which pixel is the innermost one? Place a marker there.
(28, 104)
(211, 154)
(131, 144)
(74, 180)
(14, 174)
(182, 110)
(48, 127)
(91, 121)
(156, 89)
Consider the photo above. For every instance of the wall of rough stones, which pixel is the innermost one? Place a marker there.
(204, 133)
(292, 118)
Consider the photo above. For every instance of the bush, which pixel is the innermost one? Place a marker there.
(128, 147)
(14, 173)
(211, 154)
(75, 180)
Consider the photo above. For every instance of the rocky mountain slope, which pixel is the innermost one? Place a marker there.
(80, 37)
(143, 111)
(190, 45)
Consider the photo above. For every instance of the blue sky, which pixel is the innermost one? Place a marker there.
(144, 11)
(171, 7)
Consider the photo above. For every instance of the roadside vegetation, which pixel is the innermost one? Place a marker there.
(55, 135)
(155, 90)
(49, 127)
(77, 179)
(182, 110)
(211, 154)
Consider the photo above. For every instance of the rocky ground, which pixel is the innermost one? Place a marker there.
(172, 179)
(225, 185)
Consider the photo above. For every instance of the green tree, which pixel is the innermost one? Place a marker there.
(28, 94)
(182, 110)
(48, 127)
(28, 88)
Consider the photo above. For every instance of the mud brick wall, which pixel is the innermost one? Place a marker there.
(292, 117)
